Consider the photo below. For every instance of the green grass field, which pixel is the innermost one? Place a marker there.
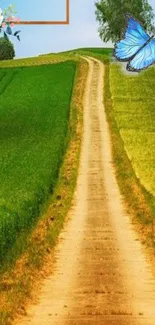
(34, 114)
(134, 110)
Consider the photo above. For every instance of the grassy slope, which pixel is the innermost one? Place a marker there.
(102, 54)
(99, 50)
(134, 110)
(21, 280)
(33, 128)
(39, 60)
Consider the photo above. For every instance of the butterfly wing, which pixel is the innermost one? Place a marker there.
(134, 38)
(144, 58)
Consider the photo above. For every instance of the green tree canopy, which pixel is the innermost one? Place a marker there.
(111, 16)
(7, 51)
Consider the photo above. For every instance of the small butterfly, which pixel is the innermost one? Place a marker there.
(136, 46)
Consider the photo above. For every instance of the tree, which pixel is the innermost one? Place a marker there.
(7, 51)
(111, 16)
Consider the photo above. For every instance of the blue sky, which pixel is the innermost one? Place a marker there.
(38, 9)
(38, 39)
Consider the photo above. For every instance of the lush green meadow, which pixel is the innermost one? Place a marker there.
(133, 98)
(34, 114)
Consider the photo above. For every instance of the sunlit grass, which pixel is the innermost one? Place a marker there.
(39, 60)
(134, 110)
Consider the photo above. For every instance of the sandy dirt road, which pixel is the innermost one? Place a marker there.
(101, 276)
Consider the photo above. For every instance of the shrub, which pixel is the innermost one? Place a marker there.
(7, 51)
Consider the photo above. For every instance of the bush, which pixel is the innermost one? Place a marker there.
(7, 51)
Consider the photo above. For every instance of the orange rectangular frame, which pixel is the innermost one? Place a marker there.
(44, 22)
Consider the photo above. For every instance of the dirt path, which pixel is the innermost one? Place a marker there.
(101, 276)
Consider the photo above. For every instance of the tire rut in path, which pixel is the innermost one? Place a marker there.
(101, 276)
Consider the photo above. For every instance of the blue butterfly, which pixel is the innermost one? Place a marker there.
(136, 46)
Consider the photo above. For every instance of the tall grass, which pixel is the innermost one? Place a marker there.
(134, 109)
(34, 113)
